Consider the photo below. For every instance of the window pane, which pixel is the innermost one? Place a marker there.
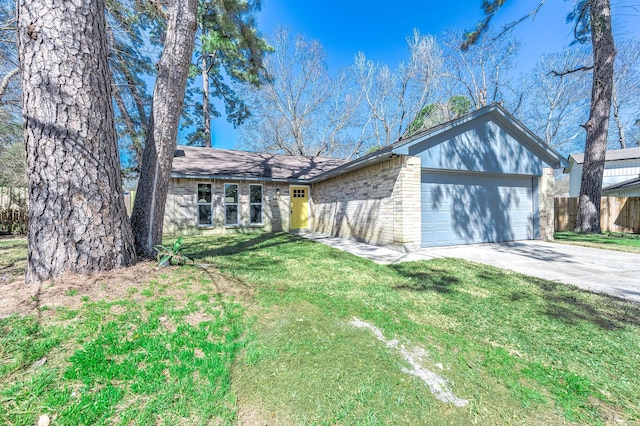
(256, 213)
(204, 193)
(256, 194)
(204, 214)
(231, 215)
(231, 193)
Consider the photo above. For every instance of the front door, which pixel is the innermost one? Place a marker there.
(299, 207)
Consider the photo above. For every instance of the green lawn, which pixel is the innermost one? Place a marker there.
(607, 240)
(520, 350)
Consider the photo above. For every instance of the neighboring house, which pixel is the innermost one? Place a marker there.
(621, 165)
(627, 188)
(483, 177)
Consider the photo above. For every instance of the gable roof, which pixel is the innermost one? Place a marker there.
(402, 146)
(213, 163)
(612, 155)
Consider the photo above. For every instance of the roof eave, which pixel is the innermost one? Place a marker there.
(544, 151)
(380, 155)
(176, 175)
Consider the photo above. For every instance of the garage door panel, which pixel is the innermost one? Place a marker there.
(464, 209)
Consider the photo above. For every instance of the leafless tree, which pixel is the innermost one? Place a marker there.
(626, 91)
(554, 106)
(482, 71)
(393, 98)
(302, 109)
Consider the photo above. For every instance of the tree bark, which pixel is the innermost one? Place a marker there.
(604, 52)
(77, 216)
(162, 132)
(206, 113)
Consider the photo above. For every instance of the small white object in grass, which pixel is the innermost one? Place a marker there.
(39, 363)
(73, 394)
(44, 420)
(440, 366)
(438, 386)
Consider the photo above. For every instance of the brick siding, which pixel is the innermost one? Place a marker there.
(378, 204)
(182, 207)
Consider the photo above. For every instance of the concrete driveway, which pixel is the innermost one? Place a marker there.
(601, 271)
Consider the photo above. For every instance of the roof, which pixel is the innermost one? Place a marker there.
(623, 185)
(612, 155)
(213, 163)
(401, 147)
(210, 163)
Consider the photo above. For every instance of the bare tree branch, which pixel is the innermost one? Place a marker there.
(5, 81)
(567, 72)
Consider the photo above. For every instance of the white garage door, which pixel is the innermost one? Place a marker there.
(475, 208)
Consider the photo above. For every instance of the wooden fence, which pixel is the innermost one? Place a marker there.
(616, 214)
(13, 210)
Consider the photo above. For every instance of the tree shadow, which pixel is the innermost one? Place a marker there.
(228, 245)
(424, 277)
(573, 306)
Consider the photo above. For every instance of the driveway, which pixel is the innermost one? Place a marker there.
(601, 271)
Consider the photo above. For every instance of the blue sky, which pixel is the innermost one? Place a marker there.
(379, 29)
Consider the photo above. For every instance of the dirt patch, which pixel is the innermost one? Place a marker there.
(71, 291)
(195, 318)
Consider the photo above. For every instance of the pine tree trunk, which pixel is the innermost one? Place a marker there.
(162, 131)
(604, 52)
(206, 113)
(77, 215)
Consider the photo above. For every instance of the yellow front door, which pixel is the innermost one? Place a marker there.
(299, 207)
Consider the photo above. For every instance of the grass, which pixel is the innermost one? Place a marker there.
(164, 358)
(519, 349)
(608, 240)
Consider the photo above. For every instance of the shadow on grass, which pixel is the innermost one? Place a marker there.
(422, 277)
(229, 245)
(573, 306)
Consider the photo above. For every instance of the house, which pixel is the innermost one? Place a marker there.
(627, 188)
(621, 166)
(483, 177)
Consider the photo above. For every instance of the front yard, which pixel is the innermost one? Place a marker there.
(281, 330)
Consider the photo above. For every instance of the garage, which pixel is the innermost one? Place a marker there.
(468, 208)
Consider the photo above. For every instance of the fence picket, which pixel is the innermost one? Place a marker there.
(617, 214)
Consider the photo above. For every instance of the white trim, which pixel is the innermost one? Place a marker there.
(198, 204)
(261, 203)
(237, 204)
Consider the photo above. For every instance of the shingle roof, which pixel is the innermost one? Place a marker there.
(620, 185)
(192, 161)
(613, 155)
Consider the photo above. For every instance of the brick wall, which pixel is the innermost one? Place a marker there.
(378, 204)
(181, 208)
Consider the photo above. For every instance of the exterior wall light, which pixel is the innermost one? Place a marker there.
(277, 193)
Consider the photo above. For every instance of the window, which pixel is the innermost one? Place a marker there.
(230, 204)
(205, 208)
(299, 193)
(255, 204)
